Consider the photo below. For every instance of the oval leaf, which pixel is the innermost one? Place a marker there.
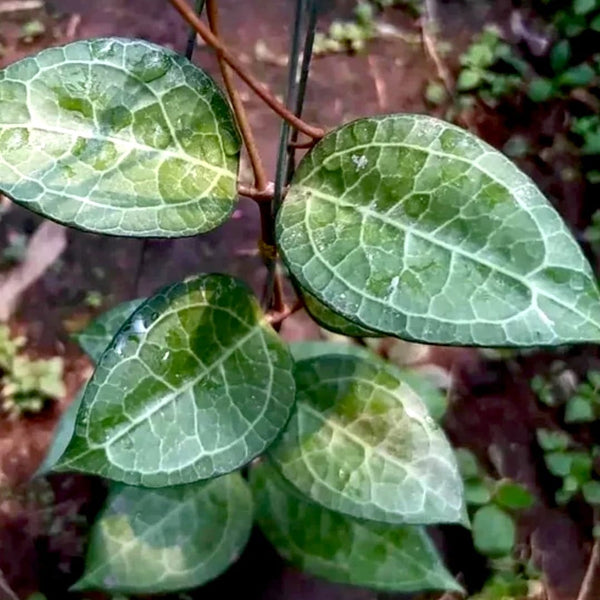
(360, 441)
(94, 339)
(415, 228)
(195, 384)
(494, 531)
(323, 315)
(153, 541)
(119, 137)
(342, 549)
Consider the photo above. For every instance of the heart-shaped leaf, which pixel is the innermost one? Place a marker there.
(413, 227)
(344, 549)
(360, 441)
(323, 315)
(96, 337)
(156, 541)
(120, 137)
(195, 384)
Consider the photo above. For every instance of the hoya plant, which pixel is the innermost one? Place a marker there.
(396, 225)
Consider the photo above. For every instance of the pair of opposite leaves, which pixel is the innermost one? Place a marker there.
(400, 225)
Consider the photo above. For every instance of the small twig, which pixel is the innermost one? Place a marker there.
(21, 5)
(380, 87)
(191, 42)
(72, 26)
(45, 246)
(6, 590)
(212, 40)
(260, 177)
(428, 24)
(590, 587)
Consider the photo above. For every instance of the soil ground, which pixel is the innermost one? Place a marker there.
(491, 406)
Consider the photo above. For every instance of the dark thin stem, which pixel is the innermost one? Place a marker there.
(301, 95)
(191, 42)
(271, 284)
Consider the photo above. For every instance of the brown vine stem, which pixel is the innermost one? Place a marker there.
(260, 177)
(276, 318)
(214, 42)
(264, 195)
(590, 587)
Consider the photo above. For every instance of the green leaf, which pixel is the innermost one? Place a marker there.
(477, 493)
(62, 436)
(96, 337)
(332, 321)
(468, 465)
(541, 89)
(549, 439)
(195, 384)
(360, 442)
(156, 541)
(343, 549)
(581, 466)
(469, 79)
(435, 401)
(563, 496)
(415, 228)
(560, 56)
(119, 137)
(513, 495)
(579, 410)
(594, 379)
(591, 492)
(578, 76)
(558, 463)
(583, 7)
(494, 531)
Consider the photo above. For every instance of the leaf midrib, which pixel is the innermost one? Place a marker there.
(181, 390)
(419, 234)
(132, 145)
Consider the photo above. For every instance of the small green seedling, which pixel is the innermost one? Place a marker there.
(492, 504)
(26, 385)
(575, 467)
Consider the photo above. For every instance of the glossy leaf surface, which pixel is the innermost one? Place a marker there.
(153, 541)
(119, 137)
(96, 337)
(195, 384)
(360, 441)
(413, 227)
(344, 549)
